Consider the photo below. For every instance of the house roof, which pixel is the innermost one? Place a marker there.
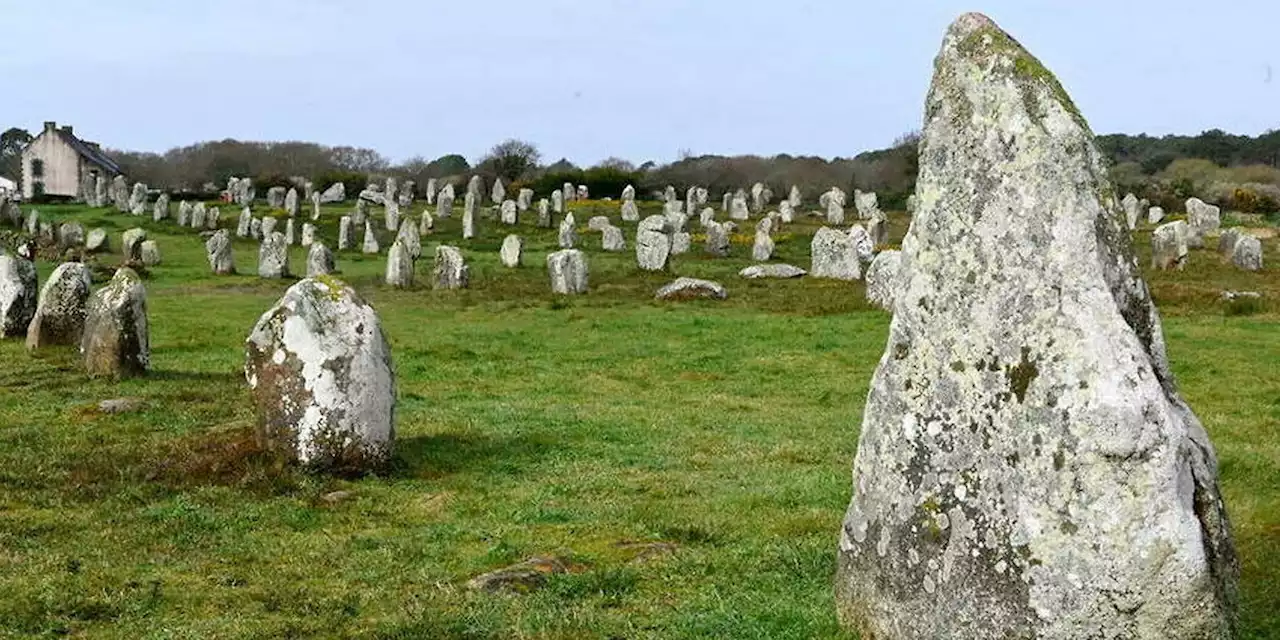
(90, 151)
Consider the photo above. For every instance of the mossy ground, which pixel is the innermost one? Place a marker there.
(528, 424)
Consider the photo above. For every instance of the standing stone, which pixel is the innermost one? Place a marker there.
(149, 253)
(630, 213)
(291, 202)
(245, 193)
(361, 214)
(612, 239)
(97, 241)
(315, 205)
(255, 229)
(1169, 244)
(273, 256)
(498, 194)
(399, 266)
(524, 200)
(794, 198)
(568, 236)
(444, 203)
(70, 234)
(32, 224)
(391, 193)
(120, 194)
(882, 279)
(1202, 219)
(101, 189)
(116, 341)
(268, 226)
(276, 197)
(911, 203)
(726, 202)
(707, 216)
(878, 232)
(544, 214)
(510, 213)
(1227, 242)
(833, 201)
(738, 207)
(408, 235)
(161, 209)
(337, 192)
(779, 271)
(289, 237)
(391, 213)
(218, 249)
(762, 250)
(757, 198)
(431, 191)
(475, 187)
(370, 244)
(680, 242)
(323, 386)
(138, 200)
(451, 270)
(583, 192)
(1248, 253)
(653, 244)
(568, 271)
(243, 223)
(691, 201)
(1155, 215)
(628, 193)
(308, 234)
(786, 211)
(19, 295)
(345, 241)
(212, 218)
(835, 255)
(717, 242)
(426, 224)
(567, 193)
(867, 204)
(1025, 466)
(131, 243)
(319, 260)
(557, 202)
(198, 214)
(184, 214)
(469, 215)
(669, 194)
(59, 316)
(1131, 210)
(512, 253)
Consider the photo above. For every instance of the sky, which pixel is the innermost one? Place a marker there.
(589, 79)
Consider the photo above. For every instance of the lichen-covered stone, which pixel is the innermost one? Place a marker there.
(598, 223)
(451, 270)
(867, 204)
(469, 203)
(544, 214)
(320, 260)
(499, 192)
(337, 192)
(882, 279)
(568, 236)
(97, 241)
(692, 289)
(321, 376)
(653, 244)
(834, 254)
(117, 341)
(218, 250)
(344, 233)
(308, 233)
(370, 245)
(399, 265)
(568, 271)
(509, 213)
(1202, 220)
(160, 211)
(1248, 253)
(738, 209)
(833, 202)
(19, 295)
(512, 251)
(762, 248)
(612, 239)
(1227, 242)
(778, 271)
(408, 234)
(273, 256)
(717, 240)
(1025, 466)
(1169, 244)
(70, 234)
(1132, 210)
(149, 253)
(131, 243)
(59, 316)
(630, 212)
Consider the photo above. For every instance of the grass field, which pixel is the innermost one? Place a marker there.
(590, 428)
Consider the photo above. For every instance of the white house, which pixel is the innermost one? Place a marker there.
(7, 187)
(56, 161)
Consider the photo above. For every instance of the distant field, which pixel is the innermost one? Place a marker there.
(589, 427)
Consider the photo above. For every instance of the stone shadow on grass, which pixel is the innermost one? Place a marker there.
(434, 456)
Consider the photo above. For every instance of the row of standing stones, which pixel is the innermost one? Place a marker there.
(1026, 467)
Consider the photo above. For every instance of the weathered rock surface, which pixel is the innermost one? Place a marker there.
(512, 252)
(882, 279)
(1169, 243)
(1132, 210)
(509, 212)
(322, 379)
(19, 295)
(149, 253)
(612, 239)
(131, 243)
(370, 244)
(692, 289)
(1026, 467)
(568, 236)
(273, 256)
(399, 265)
(835, 254)
(117, 340)
(762, 249)
(320, 260)
(70, 234)
(568, 271)
(218, 250)
(60, 314)
(337, 192)
(97, 241)
(160, 211)
(780, 271)
(717, 241)
(408, 234)
(653, 244)
(451, 271)
(1202, 219)
(1248, 253)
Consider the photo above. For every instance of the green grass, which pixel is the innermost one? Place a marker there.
(527, 425)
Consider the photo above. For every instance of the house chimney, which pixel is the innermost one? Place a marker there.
(68, 130)
(50, 125)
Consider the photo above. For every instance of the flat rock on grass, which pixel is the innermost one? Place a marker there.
(784, 271)
(692, 289)
(522, 577)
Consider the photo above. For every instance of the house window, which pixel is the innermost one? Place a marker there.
(37, 168)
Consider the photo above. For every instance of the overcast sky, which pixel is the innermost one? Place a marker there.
(588, 79)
